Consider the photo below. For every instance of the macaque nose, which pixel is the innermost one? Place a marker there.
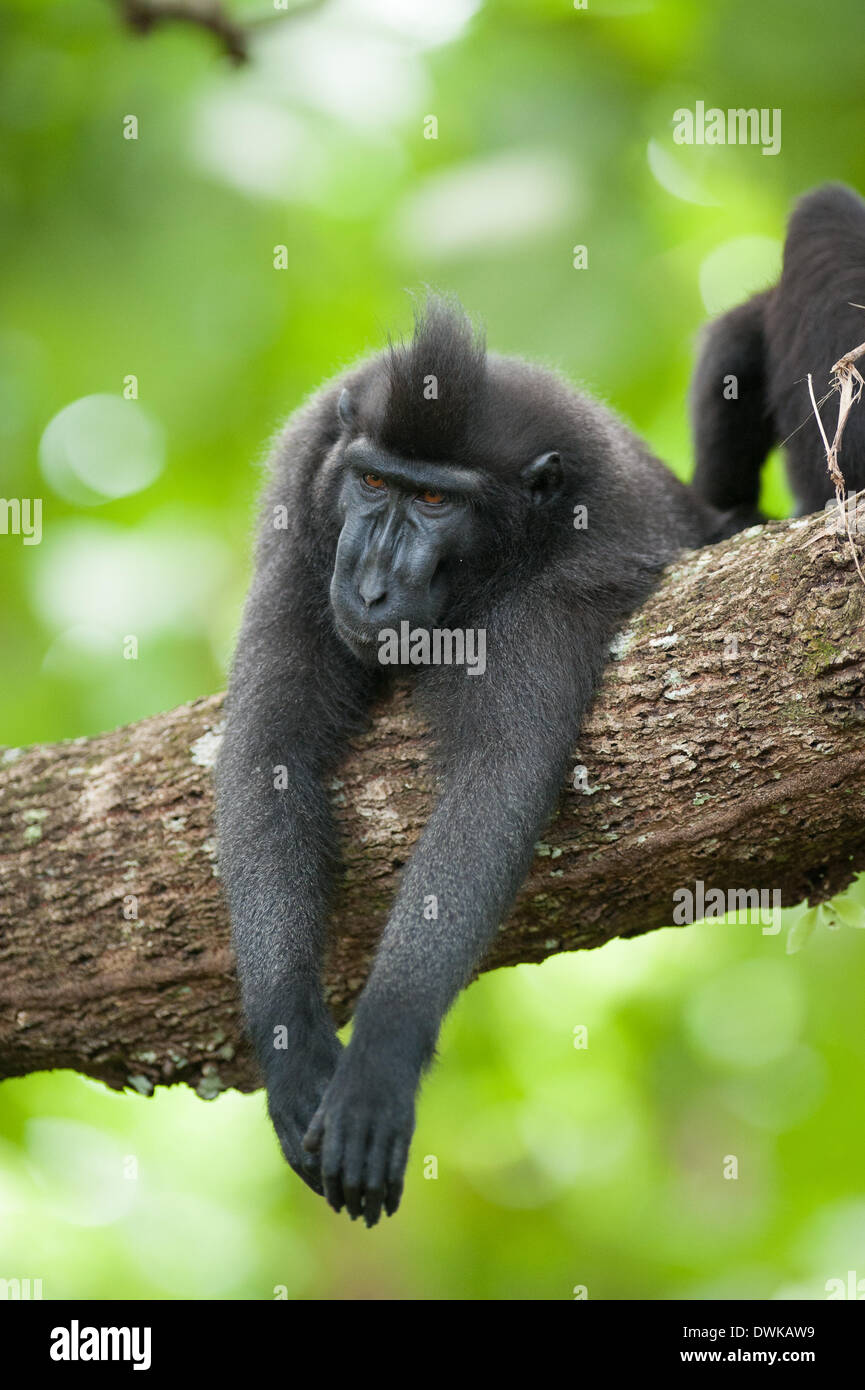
(372, 589)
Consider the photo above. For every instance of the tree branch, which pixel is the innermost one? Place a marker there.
(728, 746)
(234, 35)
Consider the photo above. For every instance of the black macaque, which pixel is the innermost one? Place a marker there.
(432, 485)
(764, 349)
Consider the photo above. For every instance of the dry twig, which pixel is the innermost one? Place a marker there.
(142, 16)
(847, 380)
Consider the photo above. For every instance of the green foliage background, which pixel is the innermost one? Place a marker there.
(557, 1167)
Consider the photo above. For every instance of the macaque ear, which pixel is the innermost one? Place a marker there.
(542, 478)
(345, 408)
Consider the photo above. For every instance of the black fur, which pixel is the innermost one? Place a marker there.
(770, 344)
(515, 450)
(445, 346)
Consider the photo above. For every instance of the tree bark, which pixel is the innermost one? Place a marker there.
(727, 746)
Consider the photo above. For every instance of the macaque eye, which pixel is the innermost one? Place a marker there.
(374, 480)
(432, 498)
